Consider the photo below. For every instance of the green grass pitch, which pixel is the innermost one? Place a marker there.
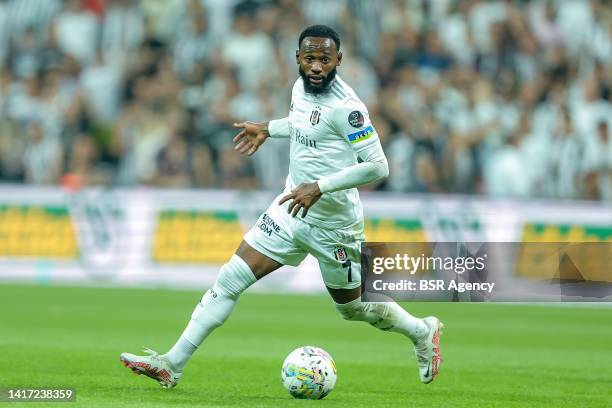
(495, 355)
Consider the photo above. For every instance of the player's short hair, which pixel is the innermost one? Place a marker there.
(322, 31)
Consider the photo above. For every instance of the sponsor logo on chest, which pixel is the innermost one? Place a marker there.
(300, 137)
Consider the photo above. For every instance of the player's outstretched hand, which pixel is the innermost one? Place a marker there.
(303, 196)
(250, 137)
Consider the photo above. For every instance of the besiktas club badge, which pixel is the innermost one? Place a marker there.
(340, 254)
(315, 116)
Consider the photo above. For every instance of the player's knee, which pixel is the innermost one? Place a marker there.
(217, 303)
(233, 279)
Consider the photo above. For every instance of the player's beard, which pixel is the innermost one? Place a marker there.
(318, 89)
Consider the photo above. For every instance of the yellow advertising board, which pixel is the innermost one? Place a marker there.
(184, 236)
(31, 231)
(565, 252)
(196, 236)
(394, 230)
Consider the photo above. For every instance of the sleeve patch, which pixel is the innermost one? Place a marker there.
(361, 135)
(355, 119)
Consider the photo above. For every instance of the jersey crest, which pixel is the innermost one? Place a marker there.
(340, 254)
(315, 116)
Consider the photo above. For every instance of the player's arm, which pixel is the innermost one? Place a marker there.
(373, 168)
(279, 128)
(352, 122)
(353, 125)
(253, 135)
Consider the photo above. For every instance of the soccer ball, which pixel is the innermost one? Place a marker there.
(309, 372)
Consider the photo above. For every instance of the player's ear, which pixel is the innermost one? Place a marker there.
(339, 58)
(297, 56)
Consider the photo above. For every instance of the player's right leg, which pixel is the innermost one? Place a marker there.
(266, 247)
(243, 269)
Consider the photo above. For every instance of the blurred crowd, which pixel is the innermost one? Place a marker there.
(503, 98)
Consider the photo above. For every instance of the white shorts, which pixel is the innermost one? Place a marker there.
(288, 240)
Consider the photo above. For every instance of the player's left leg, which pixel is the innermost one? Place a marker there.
(389, 316)
(339, 256)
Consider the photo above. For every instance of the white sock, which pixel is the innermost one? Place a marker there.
(384, 316)
(213, 310)
(405, 323)
(180, 353)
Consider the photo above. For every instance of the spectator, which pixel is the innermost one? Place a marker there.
(4, 32)
(427, 176)
(32, 16)
(174, 165)
(122, 30)
(234, 171)
(496, 97)
(401, 170)
(76, 31)
(100, 87)
(505, 173)
(12, 151)
(194, 47)
(43, 158)
(249, 44)
(83, 163)
(598, 164)
(566, 156)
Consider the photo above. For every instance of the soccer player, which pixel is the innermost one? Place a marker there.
(319, 212)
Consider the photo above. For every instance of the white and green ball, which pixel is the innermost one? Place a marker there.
(309, 372)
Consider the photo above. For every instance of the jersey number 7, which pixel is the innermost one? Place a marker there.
(347, 264)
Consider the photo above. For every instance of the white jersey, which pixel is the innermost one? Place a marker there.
(327, 133)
